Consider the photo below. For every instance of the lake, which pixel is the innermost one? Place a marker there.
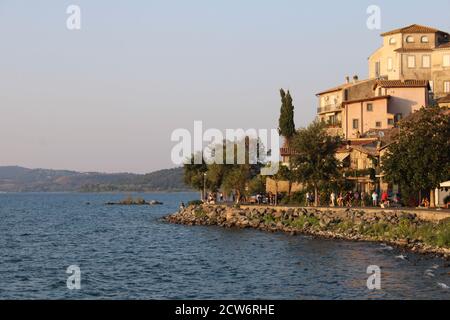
(131, 253)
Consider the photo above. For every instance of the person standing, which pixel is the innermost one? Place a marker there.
(332, 199)
(363, 197)
(374, 198)
(356, 197)
(307, 199)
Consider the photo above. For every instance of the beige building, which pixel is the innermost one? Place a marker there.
(414, 52)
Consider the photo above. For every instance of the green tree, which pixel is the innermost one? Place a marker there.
(419, 159)
(194, 175)
(286, 125)
(314, 162)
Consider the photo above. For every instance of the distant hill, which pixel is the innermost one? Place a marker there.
(18, 179)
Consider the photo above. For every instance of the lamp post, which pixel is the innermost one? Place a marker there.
(204, 187)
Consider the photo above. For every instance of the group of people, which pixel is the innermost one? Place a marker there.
(343, 199)
(355, 198)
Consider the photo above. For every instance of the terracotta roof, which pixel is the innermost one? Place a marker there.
(402, 83)
(343, 86)
(414, 28)
(403, 50)
(366, 99)
(286, 152)
(445, 99)
(444, 46)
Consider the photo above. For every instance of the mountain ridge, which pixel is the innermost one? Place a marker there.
(21, 179)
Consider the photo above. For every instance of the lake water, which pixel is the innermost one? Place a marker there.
(130, 253)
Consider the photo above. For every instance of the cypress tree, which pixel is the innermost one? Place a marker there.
(286, 125)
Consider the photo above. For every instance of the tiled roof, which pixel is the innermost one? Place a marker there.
(414, 28)
(286, 152)
(445, 99)
(343, 86)
(401, 83)
(366, 99)
(444, 46)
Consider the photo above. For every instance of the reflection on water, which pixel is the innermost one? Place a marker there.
(130, 253)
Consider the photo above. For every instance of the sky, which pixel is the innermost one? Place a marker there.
(108, 96)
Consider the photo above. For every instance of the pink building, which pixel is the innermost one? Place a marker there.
(388, 102)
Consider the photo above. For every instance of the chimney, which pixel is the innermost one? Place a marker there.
(355, 78)
(347, 79)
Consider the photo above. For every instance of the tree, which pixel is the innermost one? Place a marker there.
(419, 159)
(314, 161)
(194, 175)
(286, 125)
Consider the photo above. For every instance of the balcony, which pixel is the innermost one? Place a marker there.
(329, 108)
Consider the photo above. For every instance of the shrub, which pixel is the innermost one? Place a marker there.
(195, 203)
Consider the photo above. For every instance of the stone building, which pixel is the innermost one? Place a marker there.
(414, 52)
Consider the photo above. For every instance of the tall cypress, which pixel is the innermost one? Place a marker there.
(286, 125)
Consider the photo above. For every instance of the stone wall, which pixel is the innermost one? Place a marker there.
(422, 232)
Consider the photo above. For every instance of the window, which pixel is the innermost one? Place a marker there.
(356, 124)
(390, 122)
(424, 39)
(426, 61)
(446, 62)
(411, 61)
(447, 86)
(392, 41)
(378, 124)
(390, 64)
(409, 39)
(377, 69)
(369, 107)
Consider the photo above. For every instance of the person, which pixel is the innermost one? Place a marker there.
(348, 199)
(385, 198)
(356, 196)
(363, 196)
(332, 199)
(340, 200)
(374, 198)
(182, 206)
(221, 197)
(307, 199)
(425, 203)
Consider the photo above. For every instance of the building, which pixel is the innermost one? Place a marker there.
(414, 52)
(355, 108)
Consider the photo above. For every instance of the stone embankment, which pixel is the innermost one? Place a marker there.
(399, 228)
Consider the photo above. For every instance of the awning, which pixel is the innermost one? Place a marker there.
(341, 156)
(445, 184)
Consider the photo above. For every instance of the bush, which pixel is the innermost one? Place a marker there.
(195, 203)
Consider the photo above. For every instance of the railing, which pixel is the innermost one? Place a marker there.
(329, 108)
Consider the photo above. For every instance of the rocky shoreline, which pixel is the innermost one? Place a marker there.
(401, 229)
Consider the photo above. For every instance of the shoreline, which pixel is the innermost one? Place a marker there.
(350, 224)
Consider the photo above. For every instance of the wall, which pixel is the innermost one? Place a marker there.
(407, 100)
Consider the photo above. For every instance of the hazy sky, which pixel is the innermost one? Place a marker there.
(107, 97)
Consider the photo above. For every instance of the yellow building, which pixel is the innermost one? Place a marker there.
(414, 52)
